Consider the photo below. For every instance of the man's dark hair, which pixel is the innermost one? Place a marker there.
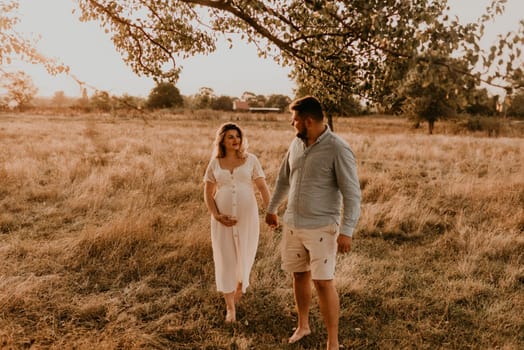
(307, 107)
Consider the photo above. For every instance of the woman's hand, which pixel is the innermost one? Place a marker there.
(226, 220)
(272, 220)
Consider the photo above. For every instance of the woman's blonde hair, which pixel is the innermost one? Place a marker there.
(220, 150)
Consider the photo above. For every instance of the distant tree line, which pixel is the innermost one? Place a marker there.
(427, 102)
(21, 95)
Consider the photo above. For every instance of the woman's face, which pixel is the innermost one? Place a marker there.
(232, 141)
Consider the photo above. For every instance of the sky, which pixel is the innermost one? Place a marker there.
(90, 54)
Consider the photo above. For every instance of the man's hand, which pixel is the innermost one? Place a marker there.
(344, 243)
(272, 220)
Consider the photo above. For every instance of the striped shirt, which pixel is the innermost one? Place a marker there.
(321, 185)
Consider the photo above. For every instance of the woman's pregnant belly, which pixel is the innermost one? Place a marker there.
(233, 201)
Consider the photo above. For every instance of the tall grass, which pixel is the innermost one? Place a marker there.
(104, 238)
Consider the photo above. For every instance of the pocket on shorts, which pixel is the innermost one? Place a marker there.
(331, 229)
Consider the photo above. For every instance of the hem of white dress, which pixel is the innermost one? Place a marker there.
(244, 289)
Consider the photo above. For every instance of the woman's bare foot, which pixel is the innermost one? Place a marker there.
(238, 292)
(230, 307)
(299, 334)
(231, 316)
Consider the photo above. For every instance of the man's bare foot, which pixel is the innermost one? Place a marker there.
(238, 293)
(230, 316)
(299, 334)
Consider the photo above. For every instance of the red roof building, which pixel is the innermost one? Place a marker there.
(240, 105)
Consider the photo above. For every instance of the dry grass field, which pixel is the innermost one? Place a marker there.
(104, 238)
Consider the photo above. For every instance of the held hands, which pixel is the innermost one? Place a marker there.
(226, 220)
(272, 220)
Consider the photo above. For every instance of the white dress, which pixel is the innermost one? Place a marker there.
(234, 248)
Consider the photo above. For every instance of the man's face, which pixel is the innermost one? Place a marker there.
(299, 125)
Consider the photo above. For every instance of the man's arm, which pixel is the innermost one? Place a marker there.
(281, 186)
(349, 186)
(280, 192)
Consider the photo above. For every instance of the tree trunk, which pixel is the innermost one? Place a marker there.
(330, 121)
(431, 125)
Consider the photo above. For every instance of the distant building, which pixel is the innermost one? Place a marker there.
(264, 110)
(243, 106)
(240, 106)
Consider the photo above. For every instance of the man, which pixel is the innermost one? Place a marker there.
(318, 175)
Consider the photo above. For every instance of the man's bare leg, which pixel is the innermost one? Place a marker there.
(230, 307)
(330, 310)
(302, 292)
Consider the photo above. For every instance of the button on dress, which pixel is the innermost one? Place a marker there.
(234, 248)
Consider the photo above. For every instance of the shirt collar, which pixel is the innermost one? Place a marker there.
(324, 134)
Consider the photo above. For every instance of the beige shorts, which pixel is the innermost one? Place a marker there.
(312, 250)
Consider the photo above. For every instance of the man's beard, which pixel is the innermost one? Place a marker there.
(302, 134)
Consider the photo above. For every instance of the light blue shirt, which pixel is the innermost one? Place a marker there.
(321, 183)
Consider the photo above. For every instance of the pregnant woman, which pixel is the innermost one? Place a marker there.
(229, 193)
